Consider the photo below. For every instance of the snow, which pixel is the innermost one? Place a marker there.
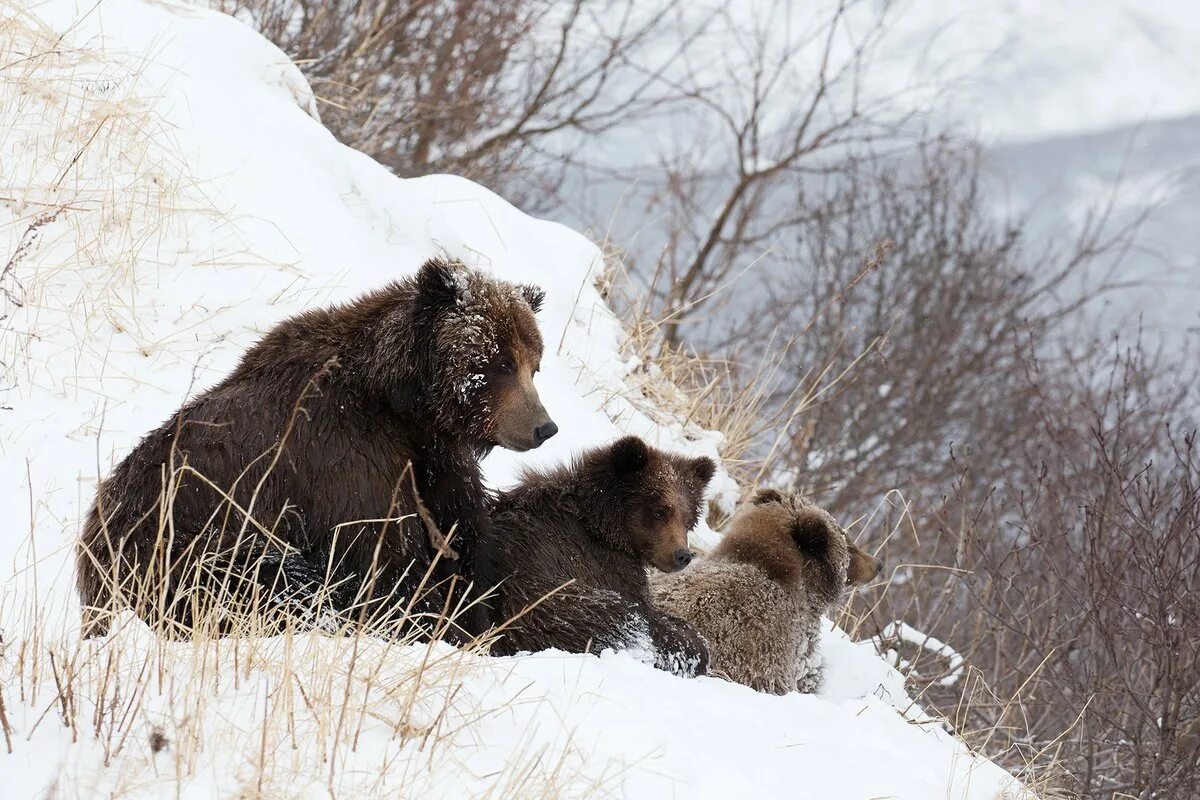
(167, 196)
(901, 631)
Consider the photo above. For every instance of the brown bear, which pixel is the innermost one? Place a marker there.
(329, 467)
(757, 599)
(572, 545)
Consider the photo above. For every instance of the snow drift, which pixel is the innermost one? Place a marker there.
(167, 193)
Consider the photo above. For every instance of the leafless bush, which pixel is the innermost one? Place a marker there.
(901, 269)
(1076, 595)
(479, 88)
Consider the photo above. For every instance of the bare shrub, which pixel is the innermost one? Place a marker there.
(1077, 596)
(903, 261)
(476, 88)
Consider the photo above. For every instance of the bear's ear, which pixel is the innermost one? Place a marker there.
(764, 496)
(438, 281)
(811, 534)
(534, 295)
(628, 455)
(703, 468)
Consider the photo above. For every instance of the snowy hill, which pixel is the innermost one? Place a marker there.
(167, 194)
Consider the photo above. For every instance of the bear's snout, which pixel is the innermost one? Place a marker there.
(863, 567)
(543, 432)
(683, 557)
(523, 423)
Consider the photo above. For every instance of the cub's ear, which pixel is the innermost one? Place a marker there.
(811, 532)
(628, 455)
(534, 295)
(764, 496)
(703, 468)
(438, 280)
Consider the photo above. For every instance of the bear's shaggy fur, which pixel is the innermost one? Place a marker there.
(573, 544)
(293, 474)
(757, 599)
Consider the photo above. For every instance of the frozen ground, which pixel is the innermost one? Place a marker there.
(167, 194)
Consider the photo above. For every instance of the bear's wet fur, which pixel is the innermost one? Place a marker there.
(757, 599)
(292, 475)
(572, 544)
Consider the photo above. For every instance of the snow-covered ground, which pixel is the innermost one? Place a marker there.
(166, 195)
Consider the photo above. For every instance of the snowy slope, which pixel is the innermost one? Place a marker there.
(167, 194)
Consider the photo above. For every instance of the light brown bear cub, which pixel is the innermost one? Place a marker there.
(758, 597)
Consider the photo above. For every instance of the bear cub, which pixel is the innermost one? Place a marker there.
(757, 599)
(572, 544)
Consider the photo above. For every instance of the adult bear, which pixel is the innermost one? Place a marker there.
(326, 471)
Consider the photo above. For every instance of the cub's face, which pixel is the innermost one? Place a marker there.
(658, 529)
(660, 495)
(485, 352)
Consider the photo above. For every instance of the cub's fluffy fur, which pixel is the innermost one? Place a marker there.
(757, 599)
(573, 544)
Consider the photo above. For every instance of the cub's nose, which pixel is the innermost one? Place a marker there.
(878, 567)
(683, 557)
(543, 432)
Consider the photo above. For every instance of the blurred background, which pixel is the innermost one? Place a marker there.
(933, 263)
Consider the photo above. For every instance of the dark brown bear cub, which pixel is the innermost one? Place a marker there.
(341, 450)
(595, 525)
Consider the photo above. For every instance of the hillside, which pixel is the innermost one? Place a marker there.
(168, 194)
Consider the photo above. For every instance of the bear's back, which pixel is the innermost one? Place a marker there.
(760, 634)
(541, 550)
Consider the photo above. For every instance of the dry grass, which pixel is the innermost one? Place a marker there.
(675, 383)
(361, 701)
(81, 161)
(927, 664)
(351, 716)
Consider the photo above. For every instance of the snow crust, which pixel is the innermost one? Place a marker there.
(167, 196)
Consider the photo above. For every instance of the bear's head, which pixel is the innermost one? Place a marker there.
(481, 347)
(645, 500)
(795, 543)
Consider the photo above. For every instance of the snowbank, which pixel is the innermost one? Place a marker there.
(167, 194)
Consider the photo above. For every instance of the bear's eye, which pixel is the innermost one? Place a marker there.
(506, 366)
(660, 513)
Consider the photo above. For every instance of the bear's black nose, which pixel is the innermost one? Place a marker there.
(683, 557)
(544, 431)
(878, 567)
